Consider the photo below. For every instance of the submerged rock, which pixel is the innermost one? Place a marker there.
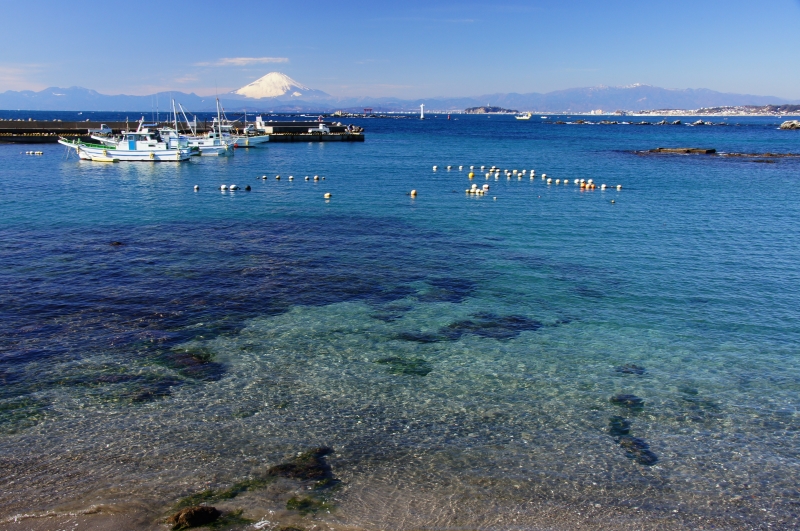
(447, 290)
(629, 401)
(307, 465)
(491, 326)
(619, 426)
(419, 337)
(194, 517)
(638, 450)
(306, 505)
(413, 366)
(630, 368)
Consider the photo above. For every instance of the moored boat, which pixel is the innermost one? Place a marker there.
(142, 145)
(523, 116)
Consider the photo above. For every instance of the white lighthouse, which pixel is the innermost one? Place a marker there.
(422, 111)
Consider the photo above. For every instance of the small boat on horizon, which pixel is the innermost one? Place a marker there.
(523, 116)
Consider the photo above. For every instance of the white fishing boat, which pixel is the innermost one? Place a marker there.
(250, 137)
(218, 142)
(523, 116)
(142, 145)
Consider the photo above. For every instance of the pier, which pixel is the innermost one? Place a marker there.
(46, 132)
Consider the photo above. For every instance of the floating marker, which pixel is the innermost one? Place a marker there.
(327, 195)
(471, 175)
(277, 177)
(223, 187)
(264, 177)
(434, 168)
(291, 177)
(558, 181)
(460, 168)
(619, 187)
(306, 177)
(602, 187)
(247, 188)
(196, 187)
(233, 187)
(549, 181)
(413, 193)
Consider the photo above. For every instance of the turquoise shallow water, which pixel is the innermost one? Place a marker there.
(459, 353)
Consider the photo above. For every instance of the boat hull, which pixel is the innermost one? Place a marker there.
(90, 152)
(249, 141)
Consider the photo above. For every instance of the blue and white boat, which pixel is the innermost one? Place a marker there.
(142, 145)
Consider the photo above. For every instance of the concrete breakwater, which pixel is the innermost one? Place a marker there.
(38, 132)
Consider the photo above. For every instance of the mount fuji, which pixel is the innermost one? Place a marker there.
(279, 86)
(277, 92)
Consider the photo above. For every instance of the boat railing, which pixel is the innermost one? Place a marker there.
(88, 144)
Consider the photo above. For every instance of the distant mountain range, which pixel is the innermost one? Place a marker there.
(277, 92)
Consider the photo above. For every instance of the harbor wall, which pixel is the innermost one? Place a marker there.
(40, 132)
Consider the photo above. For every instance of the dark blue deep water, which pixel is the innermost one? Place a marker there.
(536, 356)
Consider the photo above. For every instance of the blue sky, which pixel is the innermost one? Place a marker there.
(406, 49)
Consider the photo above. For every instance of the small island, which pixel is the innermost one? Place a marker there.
(487, 110)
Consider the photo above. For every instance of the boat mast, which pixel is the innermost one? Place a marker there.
(175, 115)
(219, 122)
(193, 130)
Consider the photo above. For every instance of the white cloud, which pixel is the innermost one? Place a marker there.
(244, 61)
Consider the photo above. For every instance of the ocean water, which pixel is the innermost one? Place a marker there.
(463, 356)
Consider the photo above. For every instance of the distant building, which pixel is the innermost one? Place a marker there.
(596, 111)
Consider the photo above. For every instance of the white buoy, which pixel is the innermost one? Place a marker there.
(590, 181)
(549, 181)
(223, 187)
(472, 167)
(496, 176)
(291, 177)
(448, 167)
(413, 193)
(233, 187)
(602, 187)
(485, 186)
(544, 176)
(460, 168)
(558, 181)
(306, 177)
(583, 181)
(327, 195)
(514, 172)
(316, 177)
(264, 177)
(277, 177)
(487, 175)
(434, 168)
(619, 187)
(482, 167)
(196, 187)
(474, 186)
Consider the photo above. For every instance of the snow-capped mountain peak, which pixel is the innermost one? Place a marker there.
(273, 85)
